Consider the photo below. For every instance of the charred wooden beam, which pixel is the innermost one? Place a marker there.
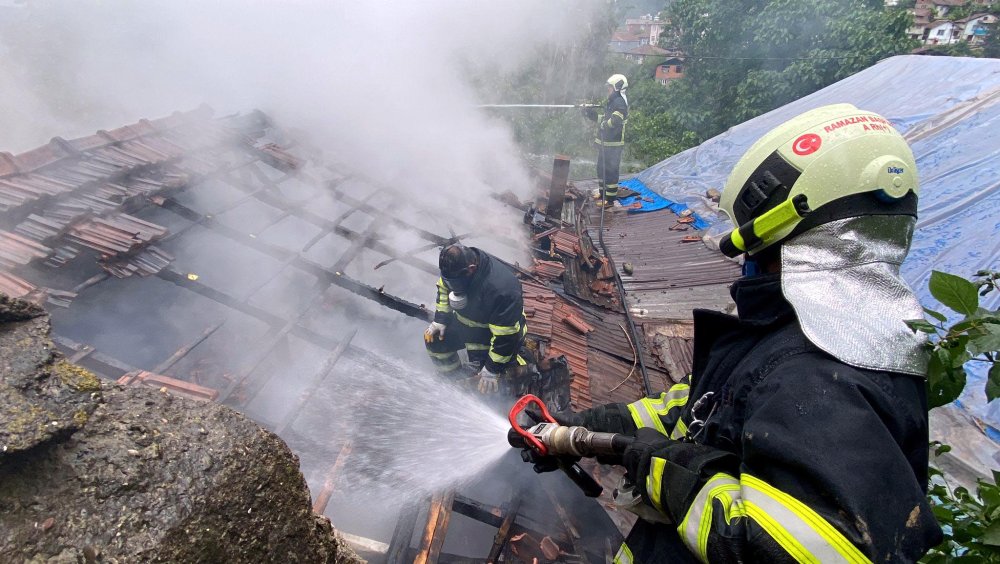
(557, 187)
(335, 277)
(323, 499)
(115, 367)
(438, 517)
(399, 545)
(300, 212)
(313, 386)
(488, 514)
(503, 532)
(185, 349)
(273, 340)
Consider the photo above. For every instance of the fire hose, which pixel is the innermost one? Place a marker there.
(567, 444)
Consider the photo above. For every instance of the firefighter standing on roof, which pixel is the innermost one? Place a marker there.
(801, 434)
(610, 136)
(479, 308)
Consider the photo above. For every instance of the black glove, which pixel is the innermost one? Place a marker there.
(545, 463)
(637, 456)
(589, 112)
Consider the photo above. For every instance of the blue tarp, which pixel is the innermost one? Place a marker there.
(949, 110)
(651, 201)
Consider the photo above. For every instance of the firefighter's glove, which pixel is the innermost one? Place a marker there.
(434, 331)
(636, 459)
(489, 383)
(589, 112)
(544, 463)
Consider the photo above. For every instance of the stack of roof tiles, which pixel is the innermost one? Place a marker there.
(65, 196)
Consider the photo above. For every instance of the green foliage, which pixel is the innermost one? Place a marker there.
(971, 523)
(747, 57)
(976, 337)
(569, 73)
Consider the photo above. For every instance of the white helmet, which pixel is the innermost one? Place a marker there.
(618, 82)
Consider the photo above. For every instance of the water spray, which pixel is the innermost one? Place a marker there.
(539, 106)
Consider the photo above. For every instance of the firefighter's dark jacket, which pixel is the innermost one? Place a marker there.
(494, 313)
(801, 457)
(611, 124)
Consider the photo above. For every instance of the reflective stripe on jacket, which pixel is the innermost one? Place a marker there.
(791, 455)
(611, 124)
(494, 312)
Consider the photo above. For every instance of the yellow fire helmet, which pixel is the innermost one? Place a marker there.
(618, 82)
(829, 163)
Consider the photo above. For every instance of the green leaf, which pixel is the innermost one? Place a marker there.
(942, 449)
(943, 515)
(920, 325)
(986, 339)
(955, 292)
(936, 315)
(944, 383)
(991, 535)
(993, 383)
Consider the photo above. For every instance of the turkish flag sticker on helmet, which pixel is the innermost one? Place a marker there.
(807, 144)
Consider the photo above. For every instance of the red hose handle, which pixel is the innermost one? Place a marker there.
(516, 410)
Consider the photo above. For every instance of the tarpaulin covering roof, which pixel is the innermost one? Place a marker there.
(948, 109)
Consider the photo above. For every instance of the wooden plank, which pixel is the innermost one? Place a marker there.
(184, 350)
(488, 514)
(503, 533)
(313, 386)
(323, 499)
(438, 517)
(81, 354)
(399, 545)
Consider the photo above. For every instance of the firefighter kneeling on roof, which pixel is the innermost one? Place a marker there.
(479, 308)
(801, 434)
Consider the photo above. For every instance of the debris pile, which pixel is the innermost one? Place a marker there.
(100, 473)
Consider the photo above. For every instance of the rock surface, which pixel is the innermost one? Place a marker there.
(94, 472)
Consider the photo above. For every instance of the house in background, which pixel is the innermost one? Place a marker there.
(943, 32)
(976, 29)
(670, 70)
(640, 55)
(937, 22)
(649, 26)
(623, 41)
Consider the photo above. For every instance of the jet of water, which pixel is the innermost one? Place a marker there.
(413, 433)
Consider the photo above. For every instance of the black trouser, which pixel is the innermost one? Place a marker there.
(609, 160)
(475, 340)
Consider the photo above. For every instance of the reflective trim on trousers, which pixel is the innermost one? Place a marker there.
(444, 356)
(476, 347)
(450, 367)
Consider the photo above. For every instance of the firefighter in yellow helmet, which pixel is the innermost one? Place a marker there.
(610, 138)
(801, 434)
